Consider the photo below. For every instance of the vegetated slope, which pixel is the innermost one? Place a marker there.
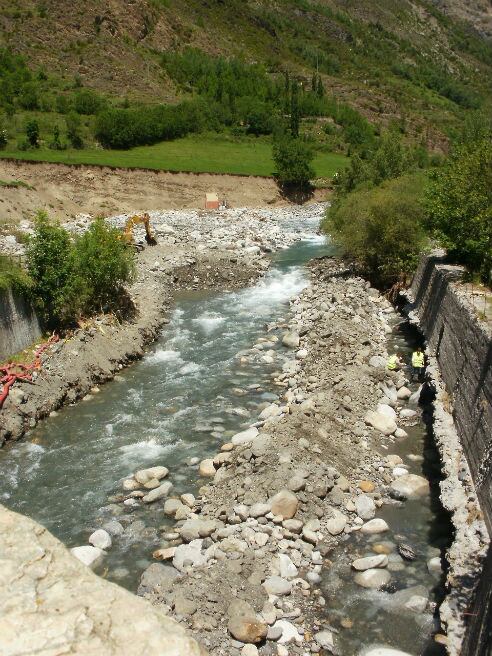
(391, 59)
(476, 12)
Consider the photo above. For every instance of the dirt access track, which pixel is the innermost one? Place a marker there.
(70, 190)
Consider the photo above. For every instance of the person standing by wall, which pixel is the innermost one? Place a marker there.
(418, 364)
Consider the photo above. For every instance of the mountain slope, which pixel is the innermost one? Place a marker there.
(391, 59)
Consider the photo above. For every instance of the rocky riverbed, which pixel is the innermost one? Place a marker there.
(297, 517)
(196, 250)
(243, 562)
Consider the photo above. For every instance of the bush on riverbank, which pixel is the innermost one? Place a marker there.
(381, 228)
(75, 278)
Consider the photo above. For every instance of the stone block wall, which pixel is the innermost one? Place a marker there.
(19, 325)
(461, 345)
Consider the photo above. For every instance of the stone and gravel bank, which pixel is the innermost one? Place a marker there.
(243, 562)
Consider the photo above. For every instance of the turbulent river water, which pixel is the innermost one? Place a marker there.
(182, 401)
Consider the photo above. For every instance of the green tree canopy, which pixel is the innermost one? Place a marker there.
(459, 206)
(293, 161)
(381, 228)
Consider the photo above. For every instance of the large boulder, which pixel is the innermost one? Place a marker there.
(244, 625)
(373, 578)
(244, 437)
(189, 555)
(365, 506)
(207, 468)
(291, 340)
(158, 492)
(193, 529)
(284, 504)
(381, 422)
(90, 556)
(370, 562)
(374, 526)
(157, 579)
(410, 486)
(145, 475)
(276, 585)
(337, 523)
(76, 612)
(387, 410)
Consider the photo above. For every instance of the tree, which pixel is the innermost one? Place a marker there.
(390, 159)
(56, 144)
(32, 133)
(74, 122)
(293, 159)
(381, 228)
(320, 90)
(260, 118)
(459, 206)
(70, 279)
(294, 110)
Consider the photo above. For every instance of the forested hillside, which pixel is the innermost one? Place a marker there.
(400, 60)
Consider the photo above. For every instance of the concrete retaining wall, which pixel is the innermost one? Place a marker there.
(461, 347)
(19, 325)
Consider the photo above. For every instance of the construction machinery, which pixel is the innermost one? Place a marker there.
(136, 220)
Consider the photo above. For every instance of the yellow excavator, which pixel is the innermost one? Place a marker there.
(135, 220)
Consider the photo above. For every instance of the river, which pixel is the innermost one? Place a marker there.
(177, 406)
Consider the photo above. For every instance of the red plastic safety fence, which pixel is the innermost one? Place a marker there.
(12, 372)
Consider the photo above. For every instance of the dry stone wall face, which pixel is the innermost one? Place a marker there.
(19, 325)
(462, 346)
(459, 347)
(50, 603)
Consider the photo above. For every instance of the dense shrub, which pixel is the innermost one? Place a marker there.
(87, 101)
(125, 128)
(12, 276)
(260, 118)
(55, 143)
(75, 278)
(381, 228)
(459, 206)
(358, 131)
(389, 160)
(293, 161)
(104, 263)
(74, 122)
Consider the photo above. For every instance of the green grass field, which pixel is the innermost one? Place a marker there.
(192, 154)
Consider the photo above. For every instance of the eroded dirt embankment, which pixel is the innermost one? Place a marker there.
(65, 191)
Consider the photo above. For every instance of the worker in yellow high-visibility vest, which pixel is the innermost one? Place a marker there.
(394, 362)
(418, 364)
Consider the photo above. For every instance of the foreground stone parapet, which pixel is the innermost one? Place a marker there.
(50, 603)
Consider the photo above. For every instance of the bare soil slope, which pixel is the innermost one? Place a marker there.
(68, 190)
